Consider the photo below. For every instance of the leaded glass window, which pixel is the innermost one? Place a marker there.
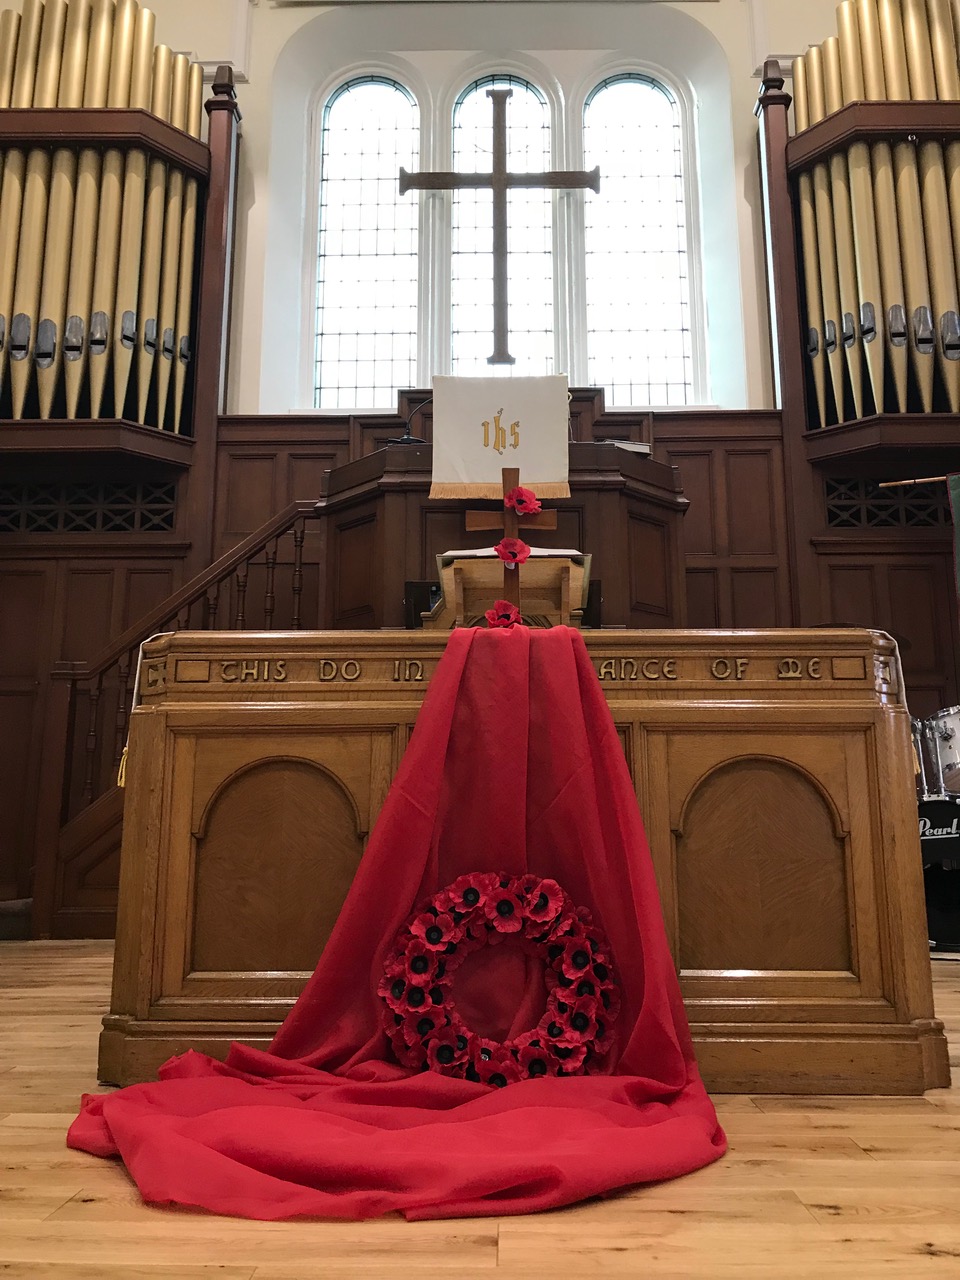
(637, 276)
(368, 248)
(600, 285)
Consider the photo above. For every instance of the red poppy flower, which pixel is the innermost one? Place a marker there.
(434, 931)
(392, 988)
(524, 501)
(535, 1060)
(503, 614)
(569, 1057)
(494, 1063)
(420, 962)
(609, 1005)
(467, 893)
(512, 551)
(504, 910)
(579, 1021)
(577, 957)
(447, 1051)
(544, 901)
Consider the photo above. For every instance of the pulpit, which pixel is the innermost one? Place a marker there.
(383, 530)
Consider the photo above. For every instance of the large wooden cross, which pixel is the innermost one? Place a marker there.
(500, 181)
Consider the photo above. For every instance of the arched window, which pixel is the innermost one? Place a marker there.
(529, 241)
(585, 92)
(368, 266)
(636, 246)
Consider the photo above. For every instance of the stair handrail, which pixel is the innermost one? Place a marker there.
(193, 590)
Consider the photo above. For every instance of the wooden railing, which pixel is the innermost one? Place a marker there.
(260, 585)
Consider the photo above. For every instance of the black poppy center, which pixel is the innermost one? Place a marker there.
(434, 933)
(537, 1067)
(416, 998)
(445, 1054)
(419, 964)
(471, 897)
(554, 1030)
(498, 1080)
(601, 971)
(581, 959)
(505, 907)
(580, 1022)
(585, 988)
(398, 988)
(542, 903)
(425, 1025)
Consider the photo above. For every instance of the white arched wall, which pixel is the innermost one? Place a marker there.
(412, 42)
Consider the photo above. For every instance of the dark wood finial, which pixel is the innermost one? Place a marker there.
(772, 76)
(224, 84)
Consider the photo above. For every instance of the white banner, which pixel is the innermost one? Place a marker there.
(481, 425)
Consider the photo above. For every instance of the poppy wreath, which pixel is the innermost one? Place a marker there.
(421, 1019)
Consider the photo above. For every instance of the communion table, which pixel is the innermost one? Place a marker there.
(774, 773)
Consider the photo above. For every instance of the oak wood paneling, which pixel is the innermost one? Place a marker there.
(775, 776)
(786, 905)
(253, 909)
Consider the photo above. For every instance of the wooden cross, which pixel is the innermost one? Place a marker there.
(500, 181)
(509, 522)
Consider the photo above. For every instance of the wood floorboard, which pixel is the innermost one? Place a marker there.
(825, 1187)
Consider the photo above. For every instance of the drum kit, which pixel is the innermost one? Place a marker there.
(936, 743)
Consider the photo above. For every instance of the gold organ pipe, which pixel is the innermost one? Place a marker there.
(907, 180)
(33, 221)
(86, 205)
(56, 263)
(14, 171)
(9, 34)
(829, 280)
(808, 236)
(188, 253)
(111, 201)
(172, 231)
(885, 203)
(944, 42)
(126, 321)
(935, 206)
(871, 314)
(153, 234)
(843, 230)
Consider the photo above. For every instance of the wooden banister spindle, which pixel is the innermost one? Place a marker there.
(92, 740)
(299, 532)
(211, 605)
(123, 710)
(269, 594)
(240, 617)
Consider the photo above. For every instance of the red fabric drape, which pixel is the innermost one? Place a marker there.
(514, 765)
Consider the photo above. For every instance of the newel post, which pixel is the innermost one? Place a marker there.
(783, 276)
(786, 335)
(213, 313)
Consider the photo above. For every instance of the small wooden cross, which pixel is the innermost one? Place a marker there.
(509, 522)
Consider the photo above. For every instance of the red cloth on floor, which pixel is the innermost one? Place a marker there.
(514, 765)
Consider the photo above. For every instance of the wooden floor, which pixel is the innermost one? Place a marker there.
(812, 1187)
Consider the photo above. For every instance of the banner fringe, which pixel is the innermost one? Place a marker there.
(549, 489)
